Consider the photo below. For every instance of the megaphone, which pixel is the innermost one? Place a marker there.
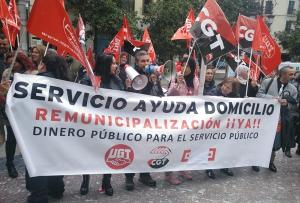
(165, 70)
(139, 82)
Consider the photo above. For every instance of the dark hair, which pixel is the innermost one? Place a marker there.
(235, 86)
(24, 60)
(189, 78)
(56, 65)
(102, 67)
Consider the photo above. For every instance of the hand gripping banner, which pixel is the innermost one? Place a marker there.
(64, 128)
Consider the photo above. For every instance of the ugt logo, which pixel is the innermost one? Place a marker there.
(119, 156)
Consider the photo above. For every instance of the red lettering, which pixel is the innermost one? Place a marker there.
(186, 155)
(212, 154)
(55, 115)
(135, 122)
(40, 114)
(71, 118)
(118, 123)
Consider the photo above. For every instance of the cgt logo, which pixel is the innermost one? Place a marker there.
(119, 156)
(161, 159)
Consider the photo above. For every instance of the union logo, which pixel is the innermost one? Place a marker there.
(119, 156)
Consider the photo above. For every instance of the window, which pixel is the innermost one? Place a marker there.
(146, 3)
(288, 26)
(291, 7)
(269, 7)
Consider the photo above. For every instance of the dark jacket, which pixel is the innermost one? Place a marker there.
(115, 83)
(2, 64)
(252, 91)
(217, 92)
(208, 87)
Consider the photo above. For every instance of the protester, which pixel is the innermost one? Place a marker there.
(42, 186)
(227, 88)
(209, 80)
(153, 88)
(186, 84)
(279, 88)
(106, 67)
(242, 77)
(123, 61)
(209, 85)
(3, 120)
(296, 83)
(21, 65)
(3, 52)
(37, 54)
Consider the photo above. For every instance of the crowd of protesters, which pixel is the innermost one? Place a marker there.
(285, 87)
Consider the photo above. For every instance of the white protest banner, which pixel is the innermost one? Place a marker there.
(64, 128)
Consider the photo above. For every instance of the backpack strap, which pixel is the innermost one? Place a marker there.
(269, 85)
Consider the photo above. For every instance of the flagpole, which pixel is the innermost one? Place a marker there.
(190, 53)
(256, 67)
(218, 62)
(238, 41)
(18, 40)
(202, 78)
(10, 45)
(249, 71)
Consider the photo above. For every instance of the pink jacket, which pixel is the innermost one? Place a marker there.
(182, 90)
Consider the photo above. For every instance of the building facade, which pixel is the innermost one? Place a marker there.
(281, 15)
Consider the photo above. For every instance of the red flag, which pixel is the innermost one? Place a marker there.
(10, 21)
(62, 2)
(90, 57)
(80, 30)
(263, 41)
(3, 9)
(126, 30)
(244, 32)
(115, 45)
(213, 32)
(57, 30)
(151, 51)
(61, 52)
(184, 31)
(254, 68)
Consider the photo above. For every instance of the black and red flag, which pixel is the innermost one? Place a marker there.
(213, 32)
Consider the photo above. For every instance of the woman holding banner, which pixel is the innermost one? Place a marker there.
(42, 186)
(106, 67)
(22, 64)
(186, 84)
(228, 88)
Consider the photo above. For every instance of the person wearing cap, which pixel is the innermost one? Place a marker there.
(285, 93)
